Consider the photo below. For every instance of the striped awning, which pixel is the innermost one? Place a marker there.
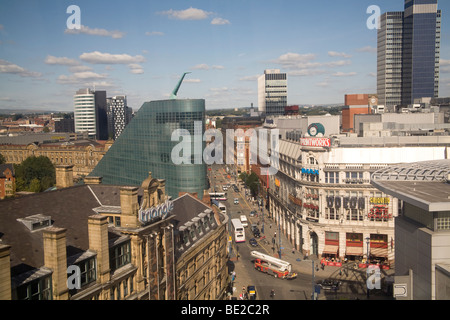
(354, 251)
(379, 252)
(330, 249)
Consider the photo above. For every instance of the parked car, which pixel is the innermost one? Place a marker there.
(252, 214)
(253, 242)
(236, 201)
(329, 284)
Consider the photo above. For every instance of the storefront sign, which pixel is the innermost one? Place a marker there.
(380, 200)
(161, 211)
(315, 142)
(295, 200)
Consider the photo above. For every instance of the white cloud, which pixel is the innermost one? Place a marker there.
(368, 49)
(250, 78)
(192, 80)
(96, 32)
(339, 54)
(294, 60)
(80, 77)
(11, 68)
(188, 14)
(97, 57)
(306, 72)
(154, 33)
(80, 69)
(136, 68)
(220, 21)
(323, 84)
(343, 74)
(204, 66)
(63, 61)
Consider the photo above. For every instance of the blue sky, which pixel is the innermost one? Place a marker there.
(141, 48)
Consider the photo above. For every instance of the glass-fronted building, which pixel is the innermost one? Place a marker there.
(421, 45)
(409, 53)
(146, 146)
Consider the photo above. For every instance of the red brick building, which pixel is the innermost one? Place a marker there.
(7, 180)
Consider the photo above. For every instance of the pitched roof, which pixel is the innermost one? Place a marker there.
(4, 167)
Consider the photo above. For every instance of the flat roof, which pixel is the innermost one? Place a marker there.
(423, 184)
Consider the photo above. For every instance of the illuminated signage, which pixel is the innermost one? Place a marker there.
(379, 200)
(161, 211)
(315, 142)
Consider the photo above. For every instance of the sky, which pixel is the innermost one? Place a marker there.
(141, 48)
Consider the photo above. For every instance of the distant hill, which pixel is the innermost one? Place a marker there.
(26, 111)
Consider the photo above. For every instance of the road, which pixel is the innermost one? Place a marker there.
(296, 289)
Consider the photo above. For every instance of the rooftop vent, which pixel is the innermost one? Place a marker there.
(36, 222)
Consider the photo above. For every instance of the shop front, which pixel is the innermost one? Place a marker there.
(330, 253)
(354, 246)
(378, 252)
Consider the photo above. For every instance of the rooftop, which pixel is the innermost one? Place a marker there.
(423, 184)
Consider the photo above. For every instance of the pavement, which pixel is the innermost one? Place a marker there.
(353, 279)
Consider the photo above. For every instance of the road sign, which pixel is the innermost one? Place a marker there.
(400, 290)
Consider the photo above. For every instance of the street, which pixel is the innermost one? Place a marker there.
(353, 285)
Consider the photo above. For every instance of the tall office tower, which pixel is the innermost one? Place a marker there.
(101, 112)
(84, 112)
(408, 54)
(119, 115)
(421, 45)
(146, 145)
(272, 92)
(389, 59)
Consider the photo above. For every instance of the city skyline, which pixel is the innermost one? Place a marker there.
(140, 49)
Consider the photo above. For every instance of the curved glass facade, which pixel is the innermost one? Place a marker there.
(146, 145)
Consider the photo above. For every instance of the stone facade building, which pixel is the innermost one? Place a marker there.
(105, 242)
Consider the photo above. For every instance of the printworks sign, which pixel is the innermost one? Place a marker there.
(315, 142)
(161, 211)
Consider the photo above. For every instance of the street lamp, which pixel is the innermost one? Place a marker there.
(367, 262)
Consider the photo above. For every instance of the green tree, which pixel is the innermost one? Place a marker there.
(2, 159)
(39, 168)
(35, 185)
(251, 181)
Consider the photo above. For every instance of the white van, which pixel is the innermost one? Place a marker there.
(244, 221)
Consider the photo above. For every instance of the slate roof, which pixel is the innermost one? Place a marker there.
(68, 208)
(3, 168)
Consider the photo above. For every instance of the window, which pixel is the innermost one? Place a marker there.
(39, 289)
(120, 255)
(332, 177)
(88, 271)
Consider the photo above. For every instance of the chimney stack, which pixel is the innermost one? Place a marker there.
(93, 180)
(55, 258)
(130, 207)
(98, 242)
(5, 272)
(64, 176)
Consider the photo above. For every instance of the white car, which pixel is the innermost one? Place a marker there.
(244, 221)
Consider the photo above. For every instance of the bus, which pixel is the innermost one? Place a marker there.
(222, 208)
(238, 230)
(218, 196)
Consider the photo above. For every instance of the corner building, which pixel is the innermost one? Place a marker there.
(322, 197)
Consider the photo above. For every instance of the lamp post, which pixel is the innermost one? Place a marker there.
(367, 262)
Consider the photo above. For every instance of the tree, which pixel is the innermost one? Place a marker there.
(251, 181)
(33, 170)
(2, 159)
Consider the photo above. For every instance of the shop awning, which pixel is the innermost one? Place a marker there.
(354, 251)
(330, 249)
(379, 252)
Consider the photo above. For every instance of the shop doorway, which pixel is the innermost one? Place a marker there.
(314, 240)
